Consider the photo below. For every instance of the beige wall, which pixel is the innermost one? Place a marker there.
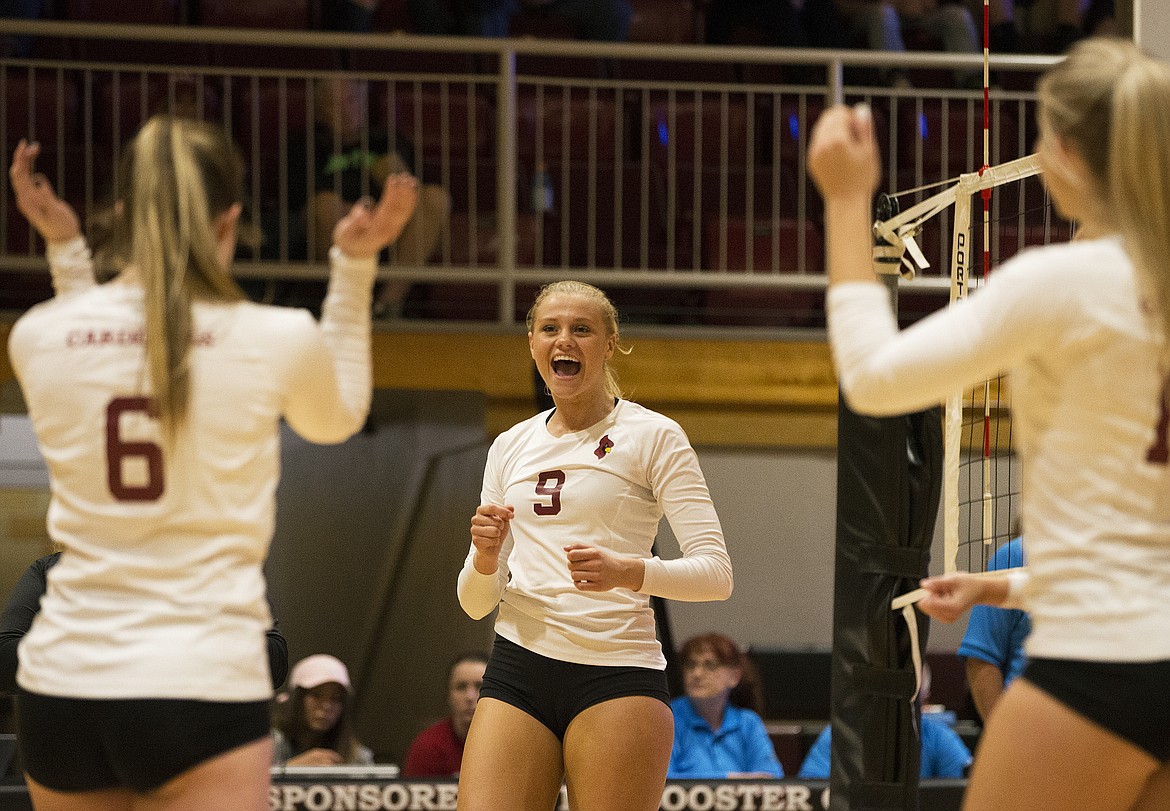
(1151, 26)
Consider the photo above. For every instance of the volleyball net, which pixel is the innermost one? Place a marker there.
(981, 480)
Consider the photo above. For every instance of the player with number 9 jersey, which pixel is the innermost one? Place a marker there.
(562, 542)
(608, 484)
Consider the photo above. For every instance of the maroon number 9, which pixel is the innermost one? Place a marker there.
(117, 450)
(549, 483)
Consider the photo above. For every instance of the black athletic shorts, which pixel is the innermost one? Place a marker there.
(70, 744)
(1130, 699)
(555, 692)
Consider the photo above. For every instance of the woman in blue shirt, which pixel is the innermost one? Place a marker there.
(713, 737)
(943, 752)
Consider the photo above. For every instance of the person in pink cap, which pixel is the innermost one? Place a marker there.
(314, 721)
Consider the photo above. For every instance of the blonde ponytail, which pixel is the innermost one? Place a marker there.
(1112, 102)
(178, 176)
(1139, 175)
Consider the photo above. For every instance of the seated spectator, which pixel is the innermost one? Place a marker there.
(348, 169)
(348, 15)
(994, 641)
(882, 24)
(25, 603)
(943, 752)
(437, 751)
(313, 722)
(19, 46)
(718, 732)
(1071, 20)
(597, 20)
(783, 23)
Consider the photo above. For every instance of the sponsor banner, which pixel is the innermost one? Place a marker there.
(429, 795)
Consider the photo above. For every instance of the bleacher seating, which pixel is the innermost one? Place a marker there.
(944, 138)
(572, 124)
(266, 17)
(127, 100)
(264, 112)
(702, 178)
(677, 22)
(143, 12)
(42, 106)
(390, 16)
(775, 246)
(260, 14)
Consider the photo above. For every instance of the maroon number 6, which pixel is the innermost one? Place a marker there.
(117, 450)
(549, 483)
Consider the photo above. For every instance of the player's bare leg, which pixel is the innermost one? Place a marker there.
(1156, 794)
(1037, 753)
(510, 760)
(616, 754)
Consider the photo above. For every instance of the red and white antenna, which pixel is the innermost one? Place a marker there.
(988, 495)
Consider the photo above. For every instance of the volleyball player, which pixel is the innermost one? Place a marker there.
(575, 688)
(1080, 328)
(156, 401)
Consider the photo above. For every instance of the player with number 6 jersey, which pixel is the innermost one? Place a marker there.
(575, 688)
(156, 400)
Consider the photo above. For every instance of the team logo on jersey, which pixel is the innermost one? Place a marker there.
(603, 447)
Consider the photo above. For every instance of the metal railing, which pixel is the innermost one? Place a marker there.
(674, 171)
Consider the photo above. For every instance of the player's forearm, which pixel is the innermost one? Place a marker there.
(345, 323)
(850, 241)
(986, 683)
(479, 593)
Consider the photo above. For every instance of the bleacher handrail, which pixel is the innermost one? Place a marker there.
(500, 73)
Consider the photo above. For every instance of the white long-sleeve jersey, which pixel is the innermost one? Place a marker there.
(1089, 414)
(606, 486)
(159, 593)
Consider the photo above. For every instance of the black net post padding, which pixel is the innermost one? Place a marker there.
(889, 472)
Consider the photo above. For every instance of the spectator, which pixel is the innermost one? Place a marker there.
(943, 752)
(783, 23)
(25, 602)
(994, 641)
(437, 751)
(883, 25)
(598, 20)
(718, 732)
(314, 721)
(1071, 20)
(19, 46)
(348, 162)
(348, 15)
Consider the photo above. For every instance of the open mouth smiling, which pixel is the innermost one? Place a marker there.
(564, 366)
